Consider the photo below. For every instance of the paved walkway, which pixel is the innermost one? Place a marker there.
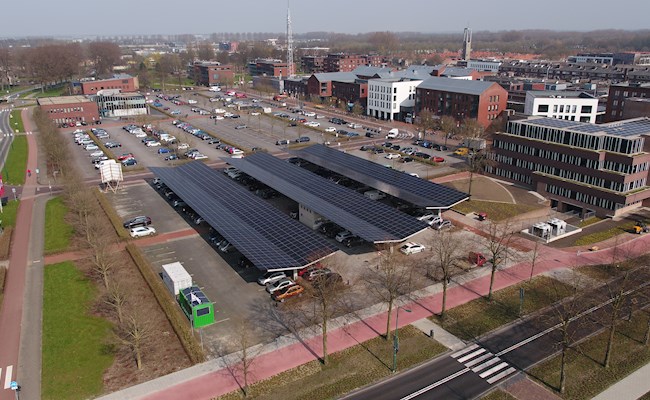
(215, 377)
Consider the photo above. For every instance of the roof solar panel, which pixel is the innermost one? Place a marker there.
(369, 219)
(266, 236)
(396, 183)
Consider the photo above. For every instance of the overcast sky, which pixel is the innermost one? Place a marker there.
(127, 17)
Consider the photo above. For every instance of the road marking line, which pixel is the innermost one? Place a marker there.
(486, 364)
(435, 384)
(471, 355)
(8, 376)
(501, 375)
(222, 320)
(492, 370)
(478, 360)
(465, 350)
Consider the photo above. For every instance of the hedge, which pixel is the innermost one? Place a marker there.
(112, 216)
(176, 318)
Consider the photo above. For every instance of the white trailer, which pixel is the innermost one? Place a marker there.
(176, 277)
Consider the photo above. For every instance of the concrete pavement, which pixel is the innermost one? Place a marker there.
(632, 387)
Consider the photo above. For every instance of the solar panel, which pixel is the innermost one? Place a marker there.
(267, 237)
(396, 183)
(371, 220)
(195, 296)
(619, 128)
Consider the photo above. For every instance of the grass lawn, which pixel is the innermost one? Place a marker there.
(589, 221)
(75, 353)
(645, 396)
(8, 216)
(604, 235)
(347, 370)
(52, 92)
(16, 164)
(480, 316)
(496, 211)
(586, 375)
(16, 121)
(498, 395)
(57, 231)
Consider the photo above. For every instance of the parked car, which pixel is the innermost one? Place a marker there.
(303, 139)
(352, 241)
(288, 292)
(141, 220)
(314, 274)
(431, 219)
(279, 285)
(391, 156)
(129, 162)
(97, 153)
(171, 157)
(124, 156)
(282, 142)
(442, 225)
(411, 248)
(271, 277)
(341, 236)
(241, 127)
(112, 145)
(437, 159)
(142, 231)
(163, 150)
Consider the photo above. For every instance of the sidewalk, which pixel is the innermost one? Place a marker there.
(213, 378)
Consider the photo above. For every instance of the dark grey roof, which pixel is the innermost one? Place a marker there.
(559, 94)
(336, 76)
(475, 88)
(457, 71)
(396, 183)
(371, 220)
(267, 237)
(626, 128)
(366, 70)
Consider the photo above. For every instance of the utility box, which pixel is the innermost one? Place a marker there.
(196, 306)
(176, 278)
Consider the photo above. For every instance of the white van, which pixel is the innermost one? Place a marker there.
(214, 89)
(392, 134)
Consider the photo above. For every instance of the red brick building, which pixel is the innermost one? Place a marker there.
(321, 84)
(312, 64)
(461, 99)
(211, 73)
(67, 109)
(618, 94)
(266, 67)
(339, 62)
(125, 83)
(351, 92)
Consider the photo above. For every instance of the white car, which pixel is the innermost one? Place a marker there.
(255, 113)
(391, 156)
(199, 156)
(183, 146)
(97, 153)
(92, 147)
(411, 248)
(142, 231)
(330, 129)
(236, 152)
(313, 124)
(219, 111)
(140, 134)
(343, 235)
(271, 277)
(310, 114)
(279, 285)
(153, 144)
(431, 219)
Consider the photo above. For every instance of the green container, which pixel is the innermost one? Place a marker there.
(196, 306)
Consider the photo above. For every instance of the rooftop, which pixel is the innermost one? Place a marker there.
(559, 94)
(629, 128)
(44, 101)
(456, 85)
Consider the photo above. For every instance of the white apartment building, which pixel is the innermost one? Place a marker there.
(571, 106)
(391, 98)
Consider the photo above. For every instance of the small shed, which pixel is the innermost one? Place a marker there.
(176, 278)
(558, 226)
(196, 306)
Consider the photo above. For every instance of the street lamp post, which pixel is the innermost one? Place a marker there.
(396, 338)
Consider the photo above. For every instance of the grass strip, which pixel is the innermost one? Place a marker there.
(347, 370)
(480, 316)
(57, 231)
(75, 353)
(604, 235)
(16, 121)
(15, 167)
(586, 374)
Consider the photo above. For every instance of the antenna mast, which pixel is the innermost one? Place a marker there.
(290, 65)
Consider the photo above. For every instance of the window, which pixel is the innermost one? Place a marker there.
(555, 108)
(542, 108)
(586, 110)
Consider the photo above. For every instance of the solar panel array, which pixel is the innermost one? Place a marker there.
(267, 237)
(195, 296)
(369, 219)
(620, 128)
(396, 183)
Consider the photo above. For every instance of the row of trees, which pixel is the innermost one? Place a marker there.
(132, 331)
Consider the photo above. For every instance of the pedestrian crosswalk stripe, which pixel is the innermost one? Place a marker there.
(478, 360)
(8, 376)
(501, 375)
(486, 364)
(464, 351)
(492, 370)
(472, 355)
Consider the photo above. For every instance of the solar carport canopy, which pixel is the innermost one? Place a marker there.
(398, 184)
(268, 238)
(371, 220)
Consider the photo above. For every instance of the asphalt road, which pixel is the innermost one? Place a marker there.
(470, 372)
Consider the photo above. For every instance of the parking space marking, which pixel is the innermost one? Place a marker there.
(222, 320)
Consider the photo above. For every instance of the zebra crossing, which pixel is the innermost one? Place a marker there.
(484, 363)
(6, 382)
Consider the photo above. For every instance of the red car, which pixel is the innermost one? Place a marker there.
(125, 156)
(437, 159)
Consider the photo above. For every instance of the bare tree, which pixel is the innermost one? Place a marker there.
(134, 334)
(246, 354)
(116, 298)
(426, 120)
(448, 126)
(446, 249)
(105, 55)
(205, 51)
(390, 279)
(534, 256)
(326, 293)
(80, 199)
(497, 245)
(101, 241)
(357, 109)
